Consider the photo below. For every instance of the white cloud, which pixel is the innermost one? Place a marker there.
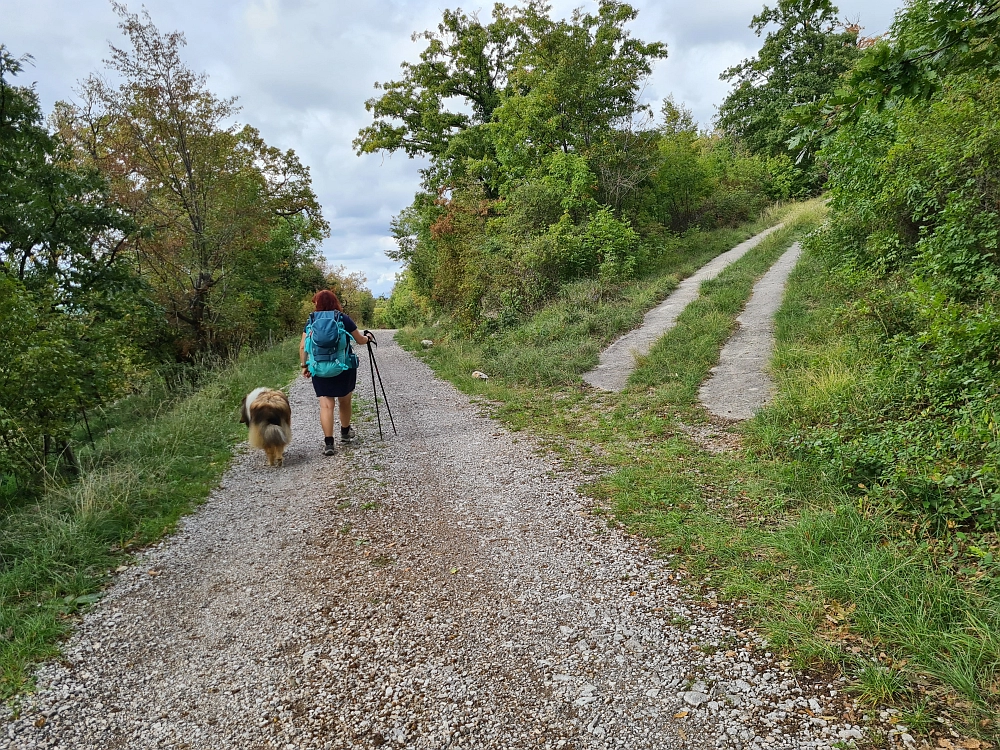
(302, 70)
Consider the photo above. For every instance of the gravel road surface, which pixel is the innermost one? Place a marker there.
(617, 362)
(447, 588)
(739, 385)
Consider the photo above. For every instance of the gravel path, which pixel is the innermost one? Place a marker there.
(618, 361)
(739, 385)
(447, 588)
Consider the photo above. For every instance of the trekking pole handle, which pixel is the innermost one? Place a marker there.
(366, 332)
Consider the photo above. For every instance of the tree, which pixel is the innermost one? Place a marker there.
(464, 60)
(545, 165)
(353, 292)
(208, 194)
(68, 302)
(575, 82)
(930, 40)
(800, 62)
(524, 85)
(682, 181)
(55, 221)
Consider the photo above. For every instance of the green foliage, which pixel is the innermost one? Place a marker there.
(556, 344)
(403, 308)
(683, 179)
(54, 365)
(800, 61)
(573, 82)
(548, 174)
(615, 244)
(529, 85)
(922, 588)
(552, 172)
(463, 59)
(915, 189)
(275, 277)
(352, 291)
(72, 318)
(930, 40)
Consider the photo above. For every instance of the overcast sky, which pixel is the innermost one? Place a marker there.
(302, 70)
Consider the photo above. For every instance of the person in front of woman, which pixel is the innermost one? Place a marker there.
(337, 388)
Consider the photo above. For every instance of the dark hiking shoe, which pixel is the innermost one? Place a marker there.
(328, 448)
(347, 436)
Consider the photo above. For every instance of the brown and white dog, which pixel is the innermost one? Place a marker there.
(268, 415)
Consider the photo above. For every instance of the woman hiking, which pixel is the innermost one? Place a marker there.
(339, 387)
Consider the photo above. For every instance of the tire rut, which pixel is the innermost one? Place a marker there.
(618, 361)
(739, 386)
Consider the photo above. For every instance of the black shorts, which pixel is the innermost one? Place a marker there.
(337, 386)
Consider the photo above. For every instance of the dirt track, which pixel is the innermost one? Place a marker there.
(618, 361)
(447, 588)
(739, 385)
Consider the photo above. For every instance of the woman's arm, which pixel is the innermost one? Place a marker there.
(302, 357)
(360, 337)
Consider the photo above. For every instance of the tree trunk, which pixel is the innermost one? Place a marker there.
(72, 464)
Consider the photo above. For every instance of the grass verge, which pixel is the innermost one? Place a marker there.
(151, 463)
(833, 578)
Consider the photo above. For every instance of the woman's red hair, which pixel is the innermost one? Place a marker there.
(326, 300)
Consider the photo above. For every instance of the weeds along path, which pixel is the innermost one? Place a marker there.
(618, 361)
(444, 589)
(739, 385)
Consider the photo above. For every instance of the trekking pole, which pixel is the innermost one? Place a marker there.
(375, 371)
(371, 359)
(387, 407)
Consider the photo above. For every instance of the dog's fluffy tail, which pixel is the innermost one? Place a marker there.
(273, 435)
(270, 435)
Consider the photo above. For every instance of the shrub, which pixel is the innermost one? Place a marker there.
(915, 190)
(404, 307)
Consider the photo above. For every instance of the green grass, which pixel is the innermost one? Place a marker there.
(563, 340)
(832, 578)
(152, 462)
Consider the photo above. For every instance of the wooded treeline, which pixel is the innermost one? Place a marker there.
(546, 166)
(142, 234)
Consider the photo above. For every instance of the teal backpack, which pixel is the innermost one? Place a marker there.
(328, 345)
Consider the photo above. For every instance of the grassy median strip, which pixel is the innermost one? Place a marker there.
(828, 577)
(150, 464)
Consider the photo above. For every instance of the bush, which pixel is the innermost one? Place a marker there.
(615, 244)
(405, 307)
(915, 190)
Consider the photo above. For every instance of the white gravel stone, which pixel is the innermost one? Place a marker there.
(694, 698)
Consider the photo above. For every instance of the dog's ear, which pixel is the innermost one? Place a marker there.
(244, 417)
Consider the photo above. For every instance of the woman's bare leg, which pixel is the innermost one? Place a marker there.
(326, 406)
(345, 411)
